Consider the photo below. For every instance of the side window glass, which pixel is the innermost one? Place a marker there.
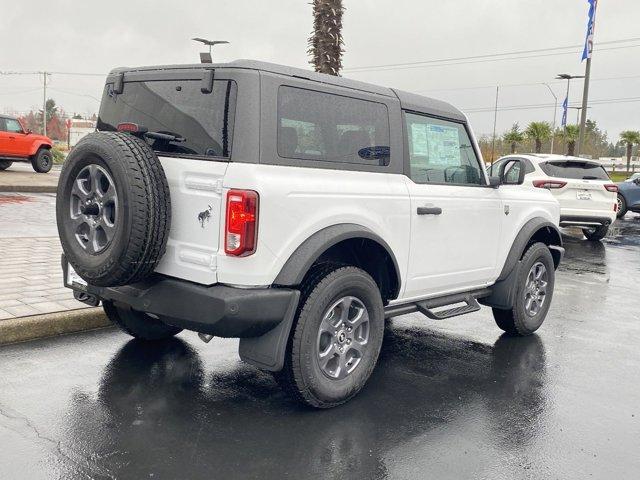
(441, 152)
(332, 128)
(3, 126)
(13, 125)
(513, 172)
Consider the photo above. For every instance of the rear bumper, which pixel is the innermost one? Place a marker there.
(218, 310)
(581, 220)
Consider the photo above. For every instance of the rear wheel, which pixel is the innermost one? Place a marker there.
(42, 161)
(595, 234)
(622, 206)
(4, 164)
(336, 339)
(139, 324)
(533, 293)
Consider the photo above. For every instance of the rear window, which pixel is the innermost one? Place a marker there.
(575, 170)
(204, 122)
(332, 128)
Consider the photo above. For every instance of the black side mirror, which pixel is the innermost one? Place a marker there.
(636, 181)
(507, 169)
(495, 182)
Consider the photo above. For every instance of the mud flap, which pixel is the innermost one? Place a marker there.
(267, 351)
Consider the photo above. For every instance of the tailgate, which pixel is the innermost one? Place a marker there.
(585, 195)
(196, 210)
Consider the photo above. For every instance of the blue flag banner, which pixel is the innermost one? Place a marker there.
(565, 106)
(588, 42)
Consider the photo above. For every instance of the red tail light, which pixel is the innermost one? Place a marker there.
(549, 184)
(241, 225)
(610, 187)
(131, 127)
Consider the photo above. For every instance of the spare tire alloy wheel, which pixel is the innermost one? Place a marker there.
(93, 208)
(113, 209)
(343, 337)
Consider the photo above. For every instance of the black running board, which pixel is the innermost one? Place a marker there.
(427, 307)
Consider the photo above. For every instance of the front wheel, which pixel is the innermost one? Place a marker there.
(4, 164)
(622, 206)
(336, 339)
(139, 324)
(595, 234)
(42, 161)
(534, 291)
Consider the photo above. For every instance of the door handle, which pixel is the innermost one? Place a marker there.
(429, 210)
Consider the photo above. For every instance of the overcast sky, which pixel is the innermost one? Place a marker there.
(92, 37)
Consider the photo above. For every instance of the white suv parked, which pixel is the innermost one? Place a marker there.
(295, 211)
(587, 197)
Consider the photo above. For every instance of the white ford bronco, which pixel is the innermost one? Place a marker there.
(295, 211)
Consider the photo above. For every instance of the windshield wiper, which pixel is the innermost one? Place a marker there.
(165, 137)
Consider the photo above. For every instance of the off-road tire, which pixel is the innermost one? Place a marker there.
(596, 234)
(301, 376)
(144, 216)
(139, 324)
(516, 321)
(4, 164)
(622, 206)
(42, 161)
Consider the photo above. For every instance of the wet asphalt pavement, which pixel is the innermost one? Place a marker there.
(453, 399)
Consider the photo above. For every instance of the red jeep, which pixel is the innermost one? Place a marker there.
(18, 144)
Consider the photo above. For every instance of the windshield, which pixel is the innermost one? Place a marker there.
(575, 170)
(202, 123)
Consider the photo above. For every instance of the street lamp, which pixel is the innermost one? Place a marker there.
(555, 110)
(205, 57)
(568, 78)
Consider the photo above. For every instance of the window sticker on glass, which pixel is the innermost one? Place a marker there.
(444, 145)
(420, 143)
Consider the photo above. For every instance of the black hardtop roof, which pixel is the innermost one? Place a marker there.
(409, 101)
(6, 115)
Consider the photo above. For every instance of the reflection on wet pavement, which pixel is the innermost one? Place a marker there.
(452, 399)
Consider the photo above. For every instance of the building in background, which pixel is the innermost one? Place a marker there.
(78, 128)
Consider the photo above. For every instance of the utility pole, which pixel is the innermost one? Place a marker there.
(495, 119)
(44, 104)
(555, 110)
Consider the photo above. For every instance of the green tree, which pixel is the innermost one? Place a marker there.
(629, 138)
(538, 132)
(325, 43)
(570, 136)
(514, 137)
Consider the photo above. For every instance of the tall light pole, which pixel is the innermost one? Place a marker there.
(204, 56)
(568, 78)
(587, 54)
(555, 110)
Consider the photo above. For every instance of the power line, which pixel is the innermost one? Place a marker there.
(548, 105)
(488, 57)
(505, 85)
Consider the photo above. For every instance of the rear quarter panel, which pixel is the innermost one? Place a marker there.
(297, 202)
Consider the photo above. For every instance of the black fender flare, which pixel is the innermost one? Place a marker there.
(268, 350)
(503, 290)
(521, 241)
(298, 264)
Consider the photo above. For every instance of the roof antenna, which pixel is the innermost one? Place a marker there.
(205, 57)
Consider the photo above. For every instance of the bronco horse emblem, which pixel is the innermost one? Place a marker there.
(205, 216)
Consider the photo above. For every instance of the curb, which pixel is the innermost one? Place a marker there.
(22, 329)
(28, 188)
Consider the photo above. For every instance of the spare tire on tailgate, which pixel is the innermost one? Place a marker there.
(113, 209)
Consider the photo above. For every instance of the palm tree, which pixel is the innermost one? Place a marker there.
(628, 138)
(325, 44)
(514, 137)
(570, 135)
(538, 132)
